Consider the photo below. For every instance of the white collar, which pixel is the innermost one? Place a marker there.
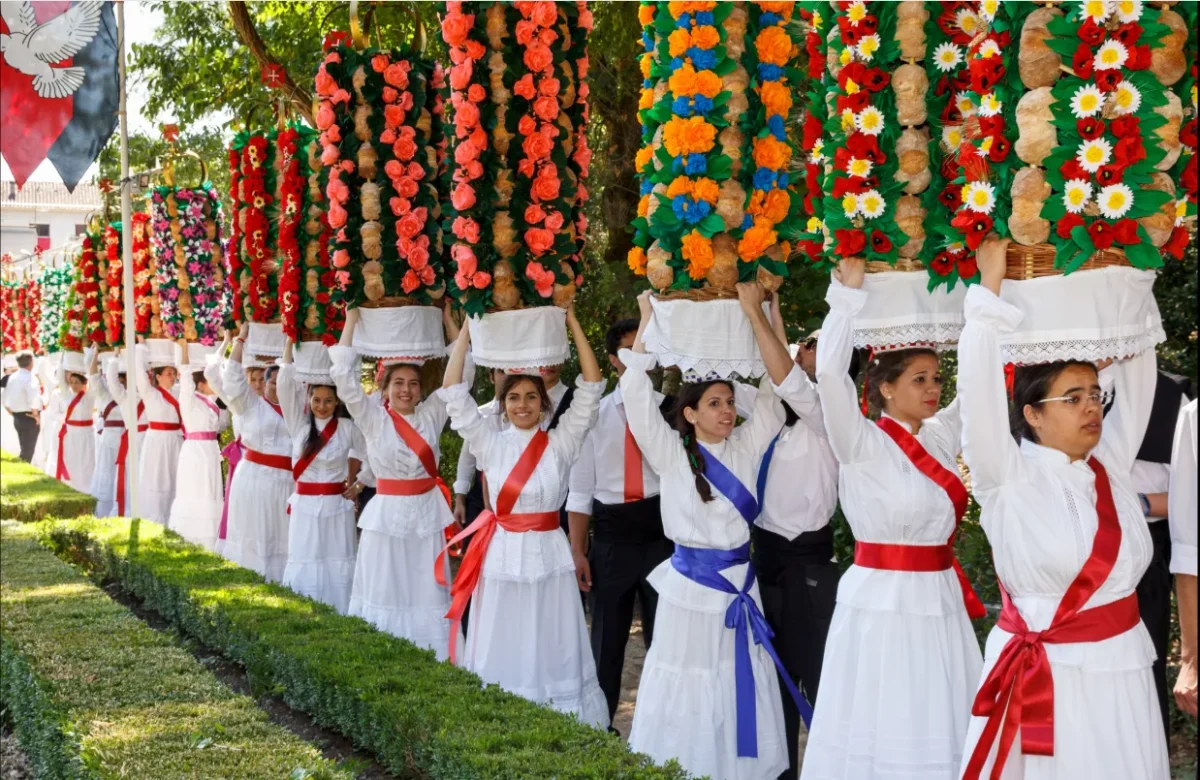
(1051, 456)
(901, 423)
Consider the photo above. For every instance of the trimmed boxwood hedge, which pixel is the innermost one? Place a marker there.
(94, 693)
(27, 494)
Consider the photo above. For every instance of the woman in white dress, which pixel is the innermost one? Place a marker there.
(159, 454)
(74, 450)
(709, 693)
(321, 535)
(1070, 542)
(104, 477)
(901, 659)
(196, 510)
(115, 383)
(402, 526)
(45, 453)
(527, 631)
(256, 532)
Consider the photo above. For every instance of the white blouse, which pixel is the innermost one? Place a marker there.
(113, 386)
(198, 416)
(99, 388)
(1039, 508)
(157, 408)
(886, 499)
(533, 555)
(61, 400)
(389, 456)
(1182, 498)
(260, 427)
(331, 463)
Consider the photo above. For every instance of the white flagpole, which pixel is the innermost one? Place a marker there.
(131, 400)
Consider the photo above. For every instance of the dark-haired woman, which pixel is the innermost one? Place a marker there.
(158, 457)
(527, 630)
(709, 693)
(402, 526)
(116, 383)
(901, 659)
(75, 444)
(256, 530)
(199, 492)
(321, 536)
(1068, 689)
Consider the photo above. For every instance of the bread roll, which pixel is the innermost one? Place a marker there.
(1038, 63)
(1038, 136)
(1029, 193)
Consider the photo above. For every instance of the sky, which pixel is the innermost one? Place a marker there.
(141, 23)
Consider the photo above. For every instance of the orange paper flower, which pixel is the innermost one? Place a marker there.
(755, 242)
(637, 260)
(688, 136)
(698, 251)
(774, 46)
(769, 152)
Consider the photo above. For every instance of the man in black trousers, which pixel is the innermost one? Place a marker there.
(616, 493)
(22, 399)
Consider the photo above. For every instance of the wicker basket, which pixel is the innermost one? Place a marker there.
(903, 264)
(698, 295)
(389, 302)
(1037, 261)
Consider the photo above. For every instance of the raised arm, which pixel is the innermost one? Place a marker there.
(112, 380)
(1133, 381)
(141, 373)
(187, 387)
(773, 351)
(291, 398)
(767, 418)
(347, 376)
(988, 446)
(1183, 494)
(850, 434)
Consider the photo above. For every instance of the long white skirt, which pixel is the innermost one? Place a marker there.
(321, 541)
(256, 535)
(687, 699)
(157, 464)
(531, 639)
(48, 440)
(896, 689)
(104, 477)
(1107, 724)
(79, 456)
(196, 510)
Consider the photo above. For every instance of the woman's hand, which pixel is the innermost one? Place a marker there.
(992, 258)
(751, 295)
(572, 320)
(850, 272)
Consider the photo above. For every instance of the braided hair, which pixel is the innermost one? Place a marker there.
(689, 398)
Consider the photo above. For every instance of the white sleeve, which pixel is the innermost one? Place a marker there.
(141, 372)
(574, 425)
(98, 387)
(850, 433)
(358, 443)
(291, 398)
(346, 372)
(1134, 381)
(988, 446)
(582, 483)
(477, 432)
(235, 388)
(802, 396)
(112, 376)
(766, 420)
(464, 473)
(659, 442)
(1182, 497)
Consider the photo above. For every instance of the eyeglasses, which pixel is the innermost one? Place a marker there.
(1100, 399)
(810, 342)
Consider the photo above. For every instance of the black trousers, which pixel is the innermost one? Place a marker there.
(798, 581)
(627, 545)
(27, 434)
(1154, 602)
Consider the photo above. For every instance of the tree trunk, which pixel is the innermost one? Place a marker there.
(243, 23)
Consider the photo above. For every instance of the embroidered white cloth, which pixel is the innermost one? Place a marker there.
(266, 338)
(311, 363)
(160, 353)
(401, 331)
(900, 310)
(706, 340)
(522, 338)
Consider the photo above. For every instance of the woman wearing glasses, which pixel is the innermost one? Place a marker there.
(1067, 689)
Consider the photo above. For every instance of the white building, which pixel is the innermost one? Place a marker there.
(43, 215)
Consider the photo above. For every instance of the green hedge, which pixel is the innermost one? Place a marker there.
(27, 494)
(94, 693)
(418, 716)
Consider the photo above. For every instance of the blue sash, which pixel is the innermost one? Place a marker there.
(765, 469)
(704, 566)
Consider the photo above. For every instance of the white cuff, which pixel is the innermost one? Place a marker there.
(986, 308)
(454, 392)
(846, 300)
(1183, 558)
(637, 361)
(579, 503)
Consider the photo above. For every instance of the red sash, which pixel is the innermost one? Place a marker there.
(170, 399)
(951, 483)
(304, 462)
(107, 411)
(320, 488)
(1019, 691)
(60, 473)
(424, 452)
(634, 487)
(485, 526)
(282, 462)
(122, 456)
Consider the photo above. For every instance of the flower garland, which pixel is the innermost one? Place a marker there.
(1104, 112)
(250, 258)
(861, 189)
(812, 117)
(323, 297)
(580, 162)
(8, 306)
(55, 286)
(233, 248)
(29, 301)
(1185, 169)
(983, 162)
(186, 228)
(375, 118)
(113, 287)
(145, 320)
(646, 158)
(87, 286)
(71, 332)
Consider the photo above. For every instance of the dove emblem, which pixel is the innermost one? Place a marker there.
(34, 49)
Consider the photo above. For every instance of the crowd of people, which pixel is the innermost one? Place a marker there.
(718, 529)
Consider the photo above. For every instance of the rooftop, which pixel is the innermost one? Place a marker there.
(48, 194)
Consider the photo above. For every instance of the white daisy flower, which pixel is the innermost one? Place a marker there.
(989, 49)
(1097, 10)
(947, 57)
(869, 121)
(1127, 98)
(850, 205)
(1094, 154)
(871, 204)
(990, 105)
(818, 151)
(964, 104)
(980, 196)
(1111, 54)
(857, 12)
(1076, 195)
(868, 46)
(988, 9)
(859, 167)
(1129, 11)
(847, 119)
(952, 137)
(967, 21)
(1114, 200)
(1087, 101)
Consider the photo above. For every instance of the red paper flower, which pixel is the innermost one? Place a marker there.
(880, 242)
(1068, 223)
(1102, 234)
(1090, 128)
(848, 243)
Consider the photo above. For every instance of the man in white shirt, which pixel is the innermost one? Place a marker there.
(611, 485)
(1182, 520)
(22, 399)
